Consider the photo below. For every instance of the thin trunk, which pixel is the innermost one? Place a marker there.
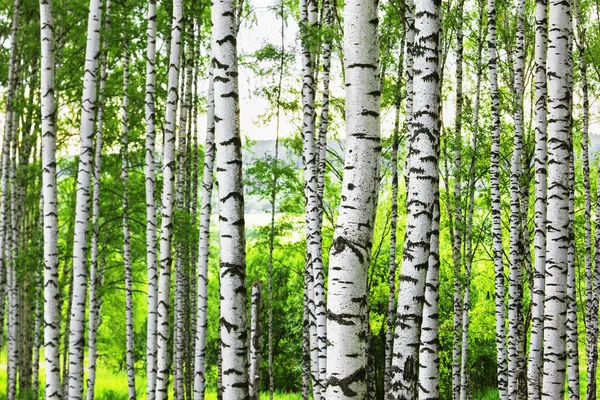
(273, 204)
(559, 150)
(8, 129)
(203, 246)
(496, 205)
(423, 178)
(429, 352)
(457, 232)
(37, 332)
(164, 290)
(572, 330)
(94, 281)
(255, 341)
(82, 208)
(233, 296)
(464, 388)
(50, 206)
(150, 188)
(391, 309)
(515, 291)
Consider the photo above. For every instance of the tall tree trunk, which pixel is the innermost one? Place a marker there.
(129, 331)
(464, 388)
(203, 246)
(515, 291)
(572, 330)
(352, 241)
(94, 300)
(8, 129)
(164, 289)
(150, 187)
(314, 263)
(496, 205)
(559, 149)
(50, 205)
(82, 208)
(429, 352)
(423, 178)
(391, 309)
(458, 223)
(255, 341)
(233, 293)
(534, 371)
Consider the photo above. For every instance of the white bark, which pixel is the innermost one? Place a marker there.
(424, 131)
(94, 301)
(572, 330)
(164, 289)
(11, 272)
(150, 188)
(559, 148)
(429, 352)
(515, 291)
(495, 200)
(534, 371)
(50, 206)
(233, 295)
(203, 247)
(347, 314)
(255, 341)
(82, 208)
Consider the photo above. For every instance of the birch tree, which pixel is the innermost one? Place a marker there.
(495, 200)
(347, 314)
(167, 200)
(424, 132)
(233, 295)
(82, 208)
(150, 181)
(255, 341)
(50, 205)
(559, 148)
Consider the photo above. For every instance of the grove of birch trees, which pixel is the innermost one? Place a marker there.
(326, 199)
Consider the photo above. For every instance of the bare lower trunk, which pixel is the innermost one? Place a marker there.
(255, 341)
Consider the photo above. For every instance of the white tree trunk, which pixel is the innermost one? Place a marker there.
(233, 295)
(150, 182)
(495, 200)
(94, 301)
(164, 289)
(11, 272)
(559, 149)
(429, 352)
(534, 371)
(255, 341)
(423, 133)
(129, 331)
(351, 250)
(82, 208)
(572, 330)
(515, 291)
(50, 206)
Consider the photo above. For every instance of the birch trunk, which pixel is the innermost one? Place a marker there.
(164, 289)
(233, 295)
(423, 178)
(572, 330)
(559, 149)
(534, 371)
(496, 205)
(11, 273)
(255, 341)
(429, 352)
(203, 246)
(37, 339)
(50, 206)
(94, 279)
(8, 128)
(82, 208)
(150, 188)
(351, 250)
(129, 332)
(458, 223)
(515, 291)
(391, 309)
